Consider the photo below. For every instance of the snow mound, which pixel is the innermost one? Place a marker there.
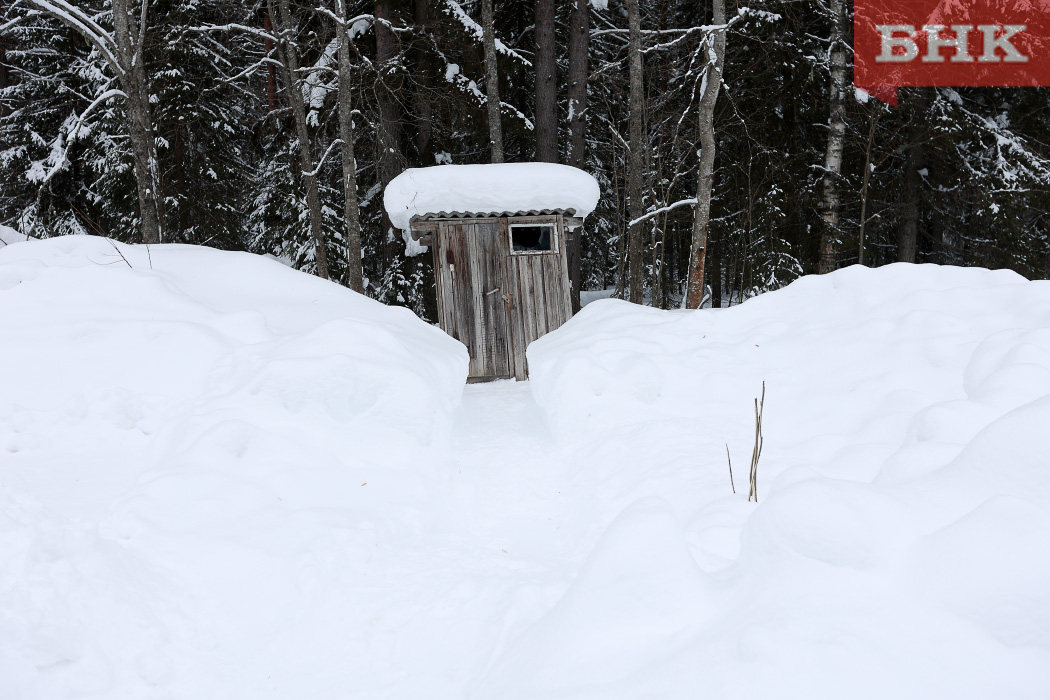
(191, 443)
(484, 189)
(189, 322)
(223, 478)
(8, 236)
(615, 360)
(638, 596)
(897, 548)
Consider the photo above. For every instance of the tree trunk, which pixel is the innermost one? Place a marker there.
(4, 80)
(390, 161)
(716, 42)
(911, 187)
(351, 213)
(488, 21)
(129, 40)
(289, 58)
(176, 224)
(579, 35)
(908, 237)
(423, 109)
(546, 89)
(715, 273)
(864, 187)
(634, 183)
(271, 70)
(830, 240)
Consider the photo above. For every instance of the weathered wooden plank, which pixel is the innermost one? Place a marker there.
(521, 368)
(551, 288)
(556, 285)
(539, 293)
(528, 298)
(496, 336)
(482, 350)
(469, 306)
(562, 271)
(459, 267)
(446, 298)
(512, 302)
(439, 291)
(555, 274)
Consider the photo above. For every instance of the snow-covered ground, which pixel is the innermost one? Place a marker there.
(8, 236)
(220, 478)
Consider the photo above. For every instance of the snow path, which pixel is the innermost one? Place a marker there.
(505, 529)
(505, 471)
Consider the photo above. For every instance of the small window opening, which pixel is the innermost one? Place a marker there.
(532, 237)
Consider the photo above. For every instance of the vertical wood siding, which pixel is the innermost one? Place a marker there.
(496, 301)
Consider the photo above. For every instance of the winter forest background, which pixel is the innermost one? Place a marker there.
(953, 176)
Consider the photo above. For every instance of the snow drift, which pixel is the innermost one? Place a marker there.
(898, 545)
(220, 478)
(8, 236)
(175, 424)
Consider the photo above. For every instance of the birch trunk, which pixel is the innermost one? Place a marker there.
(830, 240)
(488, 21)
(546, 90)
(351, 212)
(634, 177)
(289, 58)
(716, 48)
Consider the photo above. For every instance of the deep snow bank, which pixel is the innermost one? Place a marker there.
(220, 478)
(8, 236)
(898, 548)
(183, 322)
(185, 439)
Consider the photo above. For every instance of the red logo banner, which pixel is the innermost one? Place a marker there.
(950, 42)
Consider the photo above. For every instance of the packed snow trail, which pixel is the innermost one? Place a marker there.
(220, 478)
(500, 447)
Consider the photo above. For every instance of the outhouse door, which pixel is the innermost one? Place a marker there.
(471, 273)
(501, 284)
(537, 280)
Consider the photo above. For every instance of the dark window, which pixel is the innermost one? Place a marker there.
(532, 237)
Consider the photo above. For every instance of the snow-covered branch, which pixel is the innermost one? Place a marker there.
(456, 10)
(320, 164)
(74, 131)
(231, 27)
(690, 202)
(85, 25)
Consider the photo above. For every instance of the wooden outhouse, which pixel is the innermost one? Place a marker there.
(502, 281)
(501, 275)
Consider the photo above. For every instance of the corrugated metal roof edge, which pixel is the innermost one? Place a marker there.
(441, 215)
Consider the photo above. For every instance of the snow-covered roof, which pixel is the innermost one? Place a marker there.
(484, 190)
